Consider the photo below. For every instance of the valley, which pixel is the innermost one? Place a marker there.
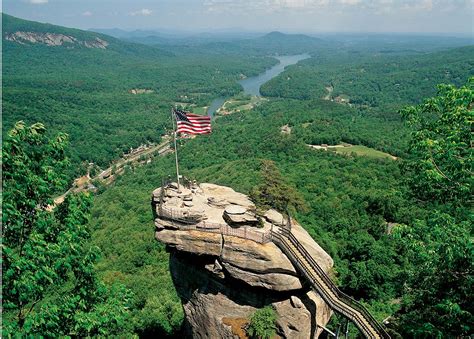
(326, 126)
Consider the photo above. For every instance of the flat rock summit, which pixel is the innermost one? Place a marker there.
(225, 266)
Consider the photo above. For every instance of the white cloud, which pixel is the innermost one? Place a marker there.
(262, 6)
(423, 5)
(379, 7)
(87, 13)
(143, 11)
(350, 2)
(38, 2)
(293, 3)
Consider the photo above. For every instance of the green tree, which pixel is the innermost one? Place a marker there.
(262, 323)
(438, 301)
(275, 192)
(49, 284)
(441, 161)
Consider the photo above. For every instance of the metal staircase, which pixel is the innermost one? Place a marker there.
(323, 285)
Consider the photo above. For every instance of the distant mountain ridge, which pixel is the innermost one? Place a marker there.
(282, 42)
(19, 32)
(29, 32)
(276, 35)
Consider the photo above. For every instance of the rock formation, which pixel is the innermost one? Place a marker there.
(54, 39)
(225, 266)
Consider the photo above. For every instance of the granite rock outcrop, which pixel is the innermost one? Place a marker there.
(229, 269)
(54, 39)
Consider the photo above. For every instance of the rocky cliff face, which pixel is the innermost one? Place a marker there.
(54, 39)
(224, 273)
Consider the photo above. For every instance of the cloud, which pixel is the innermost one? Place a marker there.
(423, 5)
(379, 7)
(87, 13)
(38, 2)
(143, 11)
(263, 6)
(350, 2)
(293, 3)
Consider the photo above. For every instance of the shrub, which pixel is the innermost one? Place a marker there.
(262, 323)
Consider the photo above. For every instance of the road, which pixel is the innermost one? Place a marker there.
(106, 175)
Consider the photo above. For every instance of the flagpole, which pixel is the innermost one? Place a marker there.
(173, 117)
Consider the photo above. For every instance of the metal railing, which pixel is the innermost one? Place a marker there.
(343, 304)
(187, 220)
(320, 281)
(261, 237)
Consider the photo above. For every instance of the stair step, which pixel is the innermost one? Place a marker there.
(333, 299)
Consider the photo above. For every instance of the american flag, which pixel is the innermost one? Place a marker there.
(192, 123)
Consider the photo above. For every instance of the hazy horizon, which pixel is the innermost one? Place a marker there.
(423, 17)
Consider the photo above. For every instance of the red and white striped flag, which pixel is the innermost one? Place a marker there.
(192, 123)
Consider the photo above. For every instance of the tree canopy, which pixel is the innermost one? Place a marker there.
(441, 145)
(438, 300)
(274, 192)
(49, 283)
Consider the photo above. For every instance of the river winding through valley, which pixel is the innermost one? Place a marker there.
(252, 85)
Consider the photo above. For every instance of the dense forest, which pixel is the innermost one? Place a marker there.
(86, 92)
(387, 82)
(399, 229)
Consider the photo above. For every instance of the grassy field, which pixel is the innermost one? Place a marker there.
(237, 105)
(200, 110)
(363, 151)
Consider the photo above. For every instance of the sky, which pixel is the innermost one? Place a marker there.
(291, 16)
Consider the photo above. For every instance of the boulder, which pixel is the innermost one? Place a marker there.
(240, 219)
(235, 209)
(274, 217)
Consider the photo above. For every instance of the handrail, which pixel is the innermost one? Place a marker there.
(318, 278)
(225, 229)
(344, 303)
(194, 223)
(346, 311)
(356, 305)
(186, 220)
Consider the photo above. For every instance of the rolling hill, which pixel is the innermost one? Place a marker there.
(54, 75)
(17, 31)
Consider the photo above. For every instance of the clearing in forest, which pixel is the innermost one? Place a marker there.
(359, 150)
(364, 151)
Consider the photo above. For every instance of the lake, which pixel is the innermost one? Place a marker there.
(252, 85)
